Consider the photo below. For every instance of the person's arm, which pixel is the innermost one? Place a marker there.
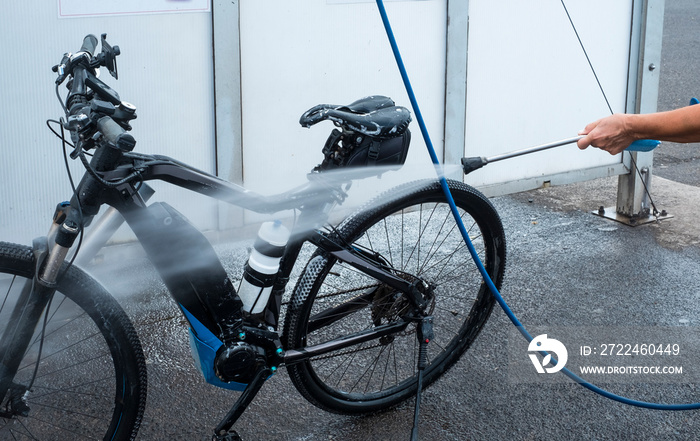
(615, 133)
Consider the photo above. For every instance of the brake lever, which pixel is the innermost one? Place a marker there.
(61, 68)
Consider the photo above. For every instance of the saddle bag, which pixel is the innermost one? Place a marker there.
(372, 132)
(350, 149)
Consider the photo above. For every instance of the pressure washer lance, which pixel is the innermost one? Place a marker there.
(476, 162)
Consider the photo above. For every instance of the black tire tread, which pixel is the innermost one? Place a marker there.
(314, 273)
(84, 290)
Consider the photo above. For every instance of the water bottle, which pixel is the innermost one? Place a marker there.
(262, 266)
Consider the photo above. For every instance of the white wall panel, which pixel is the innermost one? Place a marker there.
(528, 81)
(298, 53)
(165, 70)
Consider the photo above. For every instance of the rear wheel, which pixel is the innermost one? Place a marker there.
(83, 375)
(412, 233)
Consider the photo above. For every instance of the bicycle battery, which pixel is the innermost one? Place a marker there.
(196, 279)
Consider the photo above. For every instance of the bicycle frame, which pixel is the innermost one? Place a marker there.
(323, 194)
(233, 348)
(194, 279)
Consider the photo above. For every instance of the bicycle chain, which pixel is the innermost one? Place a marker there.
(365, 348)
(338, 354)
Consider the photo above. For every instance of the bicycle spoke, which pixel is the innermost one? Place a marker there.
(396, 370)
(39, 338)
(445, 261)
(61, 428)
(432, 245)
(417, 244)
(369, 240)
(58, 352)
(371, 367)
(347, 366)
(440, 276)
(447, 281)
(25, 434)
(72, 412)
(36, 340)
(103, 354)
(447, 235)
(388, 243)
(372, 370)
(417, 240)
(7, 294)
(53, 390)
(402, 238)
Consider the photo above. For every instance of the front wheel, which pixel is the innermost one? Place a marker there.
(83, 375)
(411, 231)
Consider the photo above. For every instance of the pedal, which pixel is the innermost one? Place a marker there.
(228, 436)
(223, 431)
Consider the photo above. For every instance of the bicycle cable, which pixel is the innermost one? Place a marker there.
(62, 274)
(65, 143)
(482, 270)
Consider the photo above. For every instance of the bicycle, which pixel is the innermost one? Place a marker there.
(386, 304)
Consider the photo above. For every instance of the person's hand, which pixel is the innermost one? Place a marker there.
(610, 134)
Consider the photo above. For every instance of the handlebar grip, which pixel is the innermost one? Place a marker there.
(115, 135)
(89, 44)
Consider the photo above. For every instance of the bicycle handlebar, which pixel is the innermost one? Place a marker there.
(89, 44)
(95, 123)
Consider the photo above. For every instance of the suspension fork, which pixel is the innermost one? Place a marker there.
(20, 329)
(36, 294)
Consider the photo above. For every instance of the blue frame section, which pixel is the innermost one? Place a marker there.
(204, 345)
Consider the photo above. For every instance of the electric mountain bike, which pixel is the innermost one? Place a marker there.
(387, 303)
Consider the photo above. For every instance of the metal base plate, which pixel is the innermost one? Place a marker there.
(611, 213)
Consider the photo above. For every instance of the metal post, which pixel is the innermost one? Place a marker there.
(643, 87)
(227, 93)
(456, 81)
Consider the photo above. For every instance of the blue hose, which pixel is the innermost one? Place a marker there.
(470, 246)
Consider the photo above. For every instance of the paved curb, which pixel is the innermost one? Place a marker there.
(679, 200)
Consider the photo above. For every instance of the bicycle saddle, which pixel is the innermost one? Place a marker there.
(375, 116)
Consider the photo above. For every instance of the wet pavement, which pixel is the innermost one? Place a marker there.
(566, 267)
(678, 83)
